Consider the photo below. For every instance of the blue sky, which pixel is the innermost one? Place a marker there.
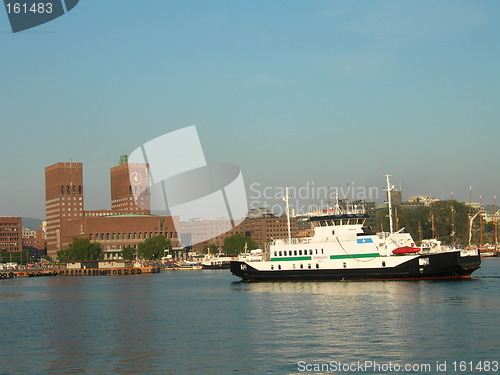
(330, 92)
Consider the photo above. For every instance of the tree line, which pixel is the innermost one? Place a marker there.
(436, 221)
(81, 249)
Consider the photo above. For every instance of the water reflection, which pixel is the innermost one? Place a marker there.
(100, 324)
(382, 321)
(203, 322)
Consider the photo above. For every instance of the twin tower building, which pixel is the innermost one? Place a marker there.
(128, 223)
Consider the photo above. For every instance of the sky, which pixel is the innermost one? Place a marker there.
(296, 93)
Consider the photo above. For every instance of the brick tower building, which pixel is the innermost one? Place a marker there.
(129, 180)
(63, 200)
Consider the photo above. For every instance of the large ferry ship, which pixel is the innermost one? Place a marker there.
(343, 248)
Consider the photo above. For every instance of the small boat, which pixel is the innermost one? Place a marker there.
(187, 266)
(406, 250)
(218, 261)
(251, 256)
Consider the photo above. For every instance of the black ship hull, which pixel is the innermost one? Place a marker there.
(440, 265)
(223, 266)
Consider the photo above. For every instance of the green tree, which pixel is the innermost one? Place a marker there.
(128, 253)
(236, 244)
(412, 217)
(154, 248)
(80, 249)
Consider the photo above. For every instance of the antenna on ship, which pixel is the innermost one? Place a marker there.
(347, 200)
(495, 223)
(452, 222)
(389, 204)
(285, 198)
(337, 206)
(480, 222)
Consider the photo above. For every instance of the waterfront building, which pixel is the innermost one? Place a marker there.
(10, 233)
(126, 224)
(130, 181)
(118, 231)
(63, 200)
(425, 199)
(33, 240)
(261, 229)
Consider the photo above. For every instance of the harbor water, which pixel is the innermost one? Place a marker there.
(207, 322)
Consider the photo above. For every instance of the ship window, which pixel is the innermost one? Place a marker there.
(322, 251)
(272, 267)
(300, 252)
(383, 264)
(295, 252)
(280, 253)
(309, 266)
(317, 265)
(279, 266)
(345, 265)
(316, 251)
(301, 266)
(310, 252)
(275, 253)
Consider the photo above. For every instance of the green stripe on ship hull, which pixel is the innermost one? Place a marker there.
(372, 255)
(294, 258)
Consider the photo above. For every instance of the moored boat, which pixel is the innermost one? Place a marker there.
(216, 262)
(186, 266)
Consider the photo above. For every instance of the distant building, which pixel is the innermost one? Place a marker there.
(10, 233)
(63, 200)
(474, 205)
(260, 229)
(490, 213)
(33, 240)
(119, 231)
(124, 225)
(130, 181)
(425, 199)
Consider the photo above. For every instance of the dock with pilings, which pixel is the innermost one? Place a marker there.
(11, 274)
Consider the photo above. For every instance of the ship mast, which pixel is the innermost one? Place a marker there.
(469, 215)
(480, 222)
(433, 227)
(285, 198)
(452, 222)
(389, 204)
(347, 200)
(495, 223)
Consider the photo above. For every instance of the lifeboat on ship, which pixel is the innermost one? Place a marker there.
(406, 250)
